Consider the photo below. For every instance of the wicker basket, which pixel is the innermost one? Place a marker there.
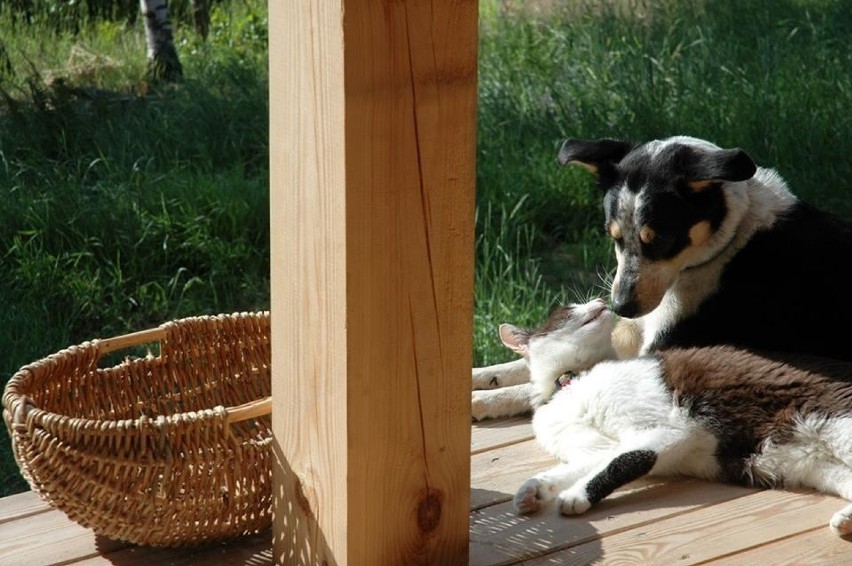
(168, 449)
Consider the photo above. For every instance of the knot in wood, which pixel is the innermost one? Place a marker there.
(429, 510)
(301, 498)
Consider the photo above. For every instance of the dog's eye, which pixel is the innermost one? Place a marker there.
(618, 237)
(662, 245)
(614, 231)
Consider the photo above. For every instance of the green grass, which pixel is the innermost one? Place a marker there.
(120, 211)
(768, 76)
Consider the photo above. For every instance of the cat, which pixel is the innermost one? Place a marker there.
(717, 413)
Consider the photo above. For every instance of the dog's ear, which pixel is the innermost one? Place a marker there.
(708, 167)
(593, 154)
(514, 338)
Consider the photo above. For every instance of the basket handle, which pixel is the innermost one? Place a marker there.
(106, 345)
(249, 410)
(235, 414)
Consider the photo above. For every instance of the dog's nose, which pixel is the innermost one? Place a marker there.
(625, 308)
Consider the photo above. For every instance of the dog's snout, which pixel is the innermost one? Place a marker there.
(625, 307)
(624, 301)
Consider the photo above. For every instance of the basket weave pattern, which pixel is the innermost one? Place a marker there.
(148, 451)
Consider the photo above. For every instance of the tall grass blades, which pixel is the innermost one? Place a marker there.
(770, 77)
(124, 206)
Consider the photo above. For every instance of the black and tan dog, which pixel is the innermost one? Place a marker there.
(702, 236)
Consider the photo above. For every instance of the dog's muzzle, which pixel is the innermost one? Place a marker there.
(624, 302)
(625, 307)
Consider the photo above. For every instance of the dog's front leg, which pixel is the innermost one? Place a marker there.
(501, 375)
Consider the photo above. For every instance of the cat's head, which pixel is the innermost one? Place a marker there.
(573, 338)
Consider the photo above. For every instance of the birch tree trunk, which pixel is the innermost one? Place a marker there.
(163, 62)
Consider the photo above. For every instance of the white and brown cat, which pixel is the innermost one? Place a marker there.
(716, 413)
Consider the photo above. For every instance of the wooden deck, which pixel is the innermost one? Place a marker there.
(650, 522)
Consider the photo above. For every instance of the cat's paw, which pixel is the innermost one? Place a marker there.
(480, 405)
(574, 501)
(841, 522)
(532, 495)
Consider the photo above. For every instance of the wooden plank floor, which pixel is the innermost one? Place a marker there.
(649, 522)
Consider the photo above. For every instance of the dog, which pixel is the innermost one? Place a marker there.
(702, 235)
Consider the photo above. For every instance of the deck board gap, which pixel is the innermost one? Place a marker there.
(503, 444)
(81, 558)
(756, 546)
(26, 514)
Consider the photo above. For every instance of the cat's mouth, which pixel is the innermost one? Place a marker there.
(595, 314)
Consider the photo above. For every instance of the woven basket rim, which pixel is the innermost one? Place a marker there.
(21, 408)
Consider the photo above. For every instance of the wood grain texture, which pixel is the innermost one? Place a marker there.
(500, 536)
(372, 177)
(255, 550)
(728, 527)
(819, 547)
(497, 474)
(486, 435)
(21, 505)
(307, 211)
(50, 538)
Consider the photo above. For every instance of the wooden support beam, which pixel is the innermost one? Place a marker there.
(372, 149)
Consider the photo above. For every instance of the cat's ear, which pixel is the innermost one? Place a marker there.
(515, 338)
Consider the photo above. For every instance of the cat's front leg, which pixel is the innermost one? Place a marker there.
(534, 493)
(504, 402)
(620, 470)
(544, 487)
(501, 375)
(574, 502)
(841, 522)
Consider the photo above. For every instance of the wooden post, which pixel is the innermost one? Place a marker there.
(372, 150)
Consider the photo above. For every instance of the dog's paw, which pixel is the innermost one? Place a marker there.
(574, 501)
(841, 522)
(532, 495)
